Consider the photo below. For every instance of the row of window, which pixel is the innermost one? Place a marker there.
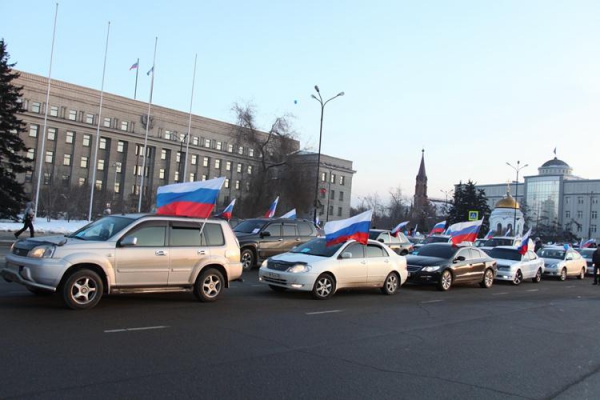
(333, 178)
(593, 214)
(332, 195)
(331, 210)
(580, 200)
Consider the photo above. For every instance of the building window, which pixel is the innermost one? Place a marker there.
(195, 140)
(54, 111)
(81, 181)
(33, 130)
(239, 168)
(342, 180)
(228, 165)
(217, 164)
(161, 173)
(207, 143)
(117, 187)
(341, 196)
(323, 192)
(205, 162)
(192, 177)
(163, 154)
(249, 169)
(227, 183)
(594, 200)
(31, 154)
(100, 165)
(339, 211)
(332, 178)
(124, 125)
(84, 162)
(579, 200)
(103, 143)
(120, 146)
(194, 159)
(69, 137)
(167, 135)
(567, 214)
(51, 133)
(176, 176)
(332, 195)
(28, 176)
(330, 210)
(67, 159)
(72, 115)
(86, 140)
(579, 214)
(106, 122)
(241, 150)
(49, 157)
(117, 166)
(594, 215)
(65, 180)
(579, 228)
(593, 228)
(89, 118)
(247, 186)
(230, 148)
(203, 178)
(47, 178)
(98, 184)
(237, 185)
(251, 152)
(36, 107)
(178, 157)
(219, 146)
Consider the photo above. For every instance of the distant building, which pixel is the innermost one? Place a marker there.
(420, 200)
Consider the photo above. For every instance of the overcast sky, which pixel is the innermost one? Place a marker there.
(474, 83)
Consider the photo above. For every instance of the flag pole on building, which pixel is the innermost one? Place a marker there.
(137, 72)
(189, 132)
(95, 159)
(41, 153)
(144, 151)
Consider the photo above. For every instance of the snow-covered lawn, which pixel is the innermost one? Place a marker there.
(41, 225)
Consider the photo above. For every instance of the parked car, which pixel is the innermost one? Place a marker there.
(480, 242)
(514, 267)
(261, 238)
(432, 239)
(587, 253)
(500, 241)
(400, 244)
(562, 263)
(322, 270)
(128, 254)
(445, 265)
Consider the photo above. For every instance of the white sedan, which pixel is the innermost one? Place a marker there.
(514, 267)
(314, 267)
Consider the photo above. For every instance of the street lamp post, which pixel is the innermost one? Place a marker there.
(117, 166)
(323, 103)
(446, 194)
(517, 169)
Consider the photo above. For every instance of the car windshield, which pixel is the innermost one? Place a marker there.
(250, 226)
(374, 234)
(480, 242)
(587, 253)
(493, 242)
(102, 229)
(436, 239)
(445, 252)
(505, 254)
(317, 247)
(552, 253)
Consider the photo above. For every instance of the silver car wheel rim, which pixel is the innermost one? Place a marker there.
(446, 280)
(392, 283)
(84, 290)
(246, 259)
(563, 274)
(211, 286)
(517, 279)
(323, 287)
(538, 276)
(489, 278)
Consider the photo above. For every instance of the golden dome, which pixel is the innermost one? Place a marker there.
(507, 202)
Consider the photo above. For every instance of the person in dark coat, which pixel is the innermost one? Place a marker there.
(28, 217)
(596, 264)
(538, 244)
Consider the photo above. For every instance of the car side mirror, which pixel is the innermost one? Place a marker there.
(346, 254)
(129, 241)
(263, 234)
(459, 258)
(380, 240)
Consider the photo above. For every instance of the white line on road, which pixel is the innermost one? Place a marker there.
(499, 294)
(431, 301)
(570, 287)
(144, 328)
(533, 290)
(323, 312)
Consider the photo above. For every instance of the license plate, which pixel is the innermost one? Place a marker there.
(273, 275)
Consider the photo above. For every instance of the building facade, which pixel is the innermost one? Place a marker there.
(82, 146)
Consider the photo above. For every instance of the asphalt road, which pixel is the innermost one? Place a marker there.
(535, 341)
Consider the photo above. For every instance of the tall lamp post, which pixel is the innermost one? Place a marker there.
(446, 194)
(323, 103)
(517, 169)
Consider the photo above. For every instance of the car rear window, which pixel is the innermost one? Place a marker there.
(304, 229)
(213, 235)
(505, 254)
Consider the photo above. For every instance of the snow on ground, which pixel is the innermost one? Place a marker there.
(41, 225)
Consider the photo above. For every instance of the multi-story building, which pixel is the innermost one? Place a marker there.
(105, 148)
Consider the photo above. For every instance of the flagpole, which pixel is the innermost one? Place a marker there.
(144, 154)
(41, 153)
(137, 71)
(94, 166)
(187, 141)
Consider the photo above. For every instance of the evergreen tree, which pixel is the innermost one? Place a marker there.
(12, 148)
(468, 198)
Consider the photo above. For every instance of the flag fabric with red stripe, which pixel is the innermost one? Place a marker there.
(396, 230)
(271, 212)
(189, 199)
(227, 212)
(464, 231)
(356, 228)
(438, 228)
(524, 246)
(588, 243)
(134, 66)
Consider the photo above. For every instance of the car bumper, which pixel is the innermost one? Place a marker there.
(23, 276)
(423, 277)
(552, 272)
(41, 273)
(505, 276)
(303, 282)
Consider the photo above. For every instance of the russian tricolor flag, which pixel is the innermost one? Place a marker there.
(290, 214)
(588, 243)
(356, 228)
(271, 212)
(134, 66)
(524, 246)
(464, 231)
(438, 228)
(396, 230)
(490, 234)
(227, 212)
(189, 199)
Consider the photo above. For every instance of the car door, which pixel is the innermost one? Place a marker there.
(352, 267)
(289, 234)
(186, 249)
(461, 269)
(477, 260)
(147, 262)
(378, 264)
(528, 265)
(270, 242)
(570, 263)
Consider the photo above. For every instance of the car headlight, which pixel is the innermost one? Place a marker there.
(43, 251)
(299, 268)
(264, 264)
(430, 269)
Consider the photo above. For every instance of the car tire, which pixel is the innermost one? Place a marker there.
(40, 292)
(82, 290)
(488, 279)
(581, 274)
(403, 252)
(538, 276)
(277, 288)
(563, 274)
(445, 282)
(518, 278)
(391, 284)
(324, 287)
(209, 285)
(248, 259)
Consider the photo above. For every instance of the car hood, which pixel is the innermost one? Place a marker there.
(59, 240)
(552, 261)
(506, 263)
(425, 260)
(298, 257)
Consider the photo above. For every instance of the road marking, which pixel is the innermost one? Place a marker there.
(570, 287)
(431, 301)
(258, 285)
(144, 328)
(323, 312)
(533, 290)
(499, 294)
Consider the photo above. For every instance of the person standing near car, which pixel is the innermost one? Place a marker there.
(28, 217)
(596, 263)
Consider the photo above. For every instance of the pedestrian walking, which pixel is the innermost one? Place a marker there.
(107, 210)
(596, 264)
(28, 217)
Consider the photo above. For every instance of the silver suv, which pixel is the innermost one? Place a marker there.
(128, 254)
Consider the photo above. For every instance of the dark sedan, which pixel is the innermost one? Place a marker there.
(445, 264)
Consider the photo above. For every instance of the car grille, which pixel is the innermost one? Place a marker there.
(279, 265)
(268, 279)
(413, 268)
(20, 252)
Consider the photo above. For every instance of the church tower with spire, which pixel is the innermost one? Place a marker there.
(420, 200)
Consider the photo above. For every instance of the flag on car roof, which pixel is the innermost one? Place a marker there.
(524, 246)
(271, 212)
(356, 228)
(290, 214)
(396, 230)
(227, 212)
(489, 235)
(438, 228)
(464, 231)
(588, 243)
(189, 199)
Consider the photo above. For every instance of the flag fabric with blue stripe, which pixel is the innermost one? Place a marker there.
(588, 243)
(189, 199)
(396, 230)
(356, 228)
(438, 228)
(524, 246)
(290, 214)
(464, 231)
(271, 212)
(150, 71)
(489, 235)
(134, 66)
(227, 212)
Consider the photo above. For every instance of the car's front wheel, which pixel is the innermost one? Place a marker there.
(582, 274)
(82, 290)
(209, 285)
(488, 279)
(445, 282)
(518, 278)
(324, 287)
(563, 274)
(538, 276)
(391, 284)
(248, 259)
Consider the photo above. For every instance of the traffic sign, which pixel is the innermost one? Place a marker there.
(473, 215)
